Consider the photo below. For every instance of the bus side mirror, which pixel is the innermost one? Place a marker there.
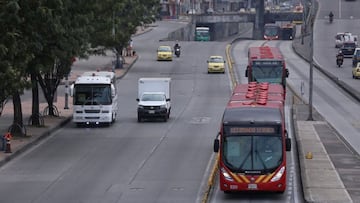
(287, 142)
(71, 92)
(287, 73)
(216, 145)
(113, 93)
(247, 71)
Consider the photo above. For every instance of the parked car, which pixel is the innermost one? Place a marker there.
(210, 11)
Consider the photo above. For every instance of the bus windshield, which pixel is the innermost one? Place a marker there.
(272, 73)
(271, 31)
(92, 95)
(202, 34)
(252, 153)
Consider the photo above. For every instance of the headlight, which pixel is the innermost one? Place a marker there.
(226, 175)
(162, 106)
(278, 175)
(140, 107)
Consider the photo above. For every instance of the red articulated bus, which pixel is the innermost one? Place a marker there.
(266, 64)
(253, 141)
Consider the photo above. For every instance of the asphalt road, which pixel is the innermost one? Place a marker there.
(129, 161)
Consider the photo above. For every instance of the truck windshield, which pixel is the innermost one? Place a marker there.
(252, 153)
(153, 97)
(92, 95)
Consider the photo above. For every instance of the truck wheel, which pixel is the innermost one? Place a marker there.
(139, 119)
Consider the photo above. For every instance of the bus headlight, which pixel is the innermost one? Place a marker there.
(226, 175)
(278, 175)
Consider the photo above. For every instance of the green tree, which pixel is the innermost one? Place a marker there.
(116, 20)
(58, 30)
(14, 56)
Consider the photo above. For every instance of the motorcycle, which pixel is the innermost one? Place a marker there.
(339, 62)
(177, 51)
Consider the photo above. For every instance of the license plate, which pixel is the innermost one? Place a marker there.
(252, 186)
(151, 111)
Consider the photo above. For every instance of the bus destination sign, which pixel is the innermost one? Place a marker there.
(253, 130)
(266, 62)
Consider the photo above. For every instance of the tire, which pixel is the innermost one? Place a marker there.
(353, 77)
(139, 119)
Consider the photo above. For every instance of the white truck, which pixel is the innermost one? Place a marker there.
(153, 98)
(94, 98)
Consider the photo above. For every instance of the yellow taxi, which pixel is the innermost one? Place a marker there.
(216, 64)
(164, 53)
(356, 71)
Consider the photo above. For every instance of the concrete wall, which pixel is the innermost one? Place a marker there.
(185, 33)
(219, 31)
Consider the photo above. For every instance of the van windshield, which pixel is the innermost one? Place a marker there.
(153, 97)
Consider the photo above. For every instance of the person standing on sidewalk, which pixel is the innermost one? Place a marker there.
(129, 49)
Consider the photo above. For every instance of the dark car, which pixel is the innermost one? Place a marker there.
(348, 48)
(356, 57)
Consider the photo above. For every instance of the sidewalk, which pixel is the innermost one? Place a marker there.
(51, 124)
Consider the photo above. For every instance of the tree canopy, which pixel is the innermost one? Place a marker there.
(39, 38)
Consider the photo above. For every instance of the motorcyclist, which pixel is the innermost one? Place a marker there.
(339, 58)
(177, 48)
(331, 16)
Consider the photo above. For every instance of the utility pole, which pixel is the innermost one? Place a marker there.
(66, 92)
(312, 21)
(258, 31)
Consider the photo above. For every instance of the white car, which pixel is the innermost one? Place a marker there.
(342, 37)
(192, 11)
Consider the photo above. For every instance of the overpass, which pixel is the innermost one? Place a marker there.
(236, 17)
(229, 22)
